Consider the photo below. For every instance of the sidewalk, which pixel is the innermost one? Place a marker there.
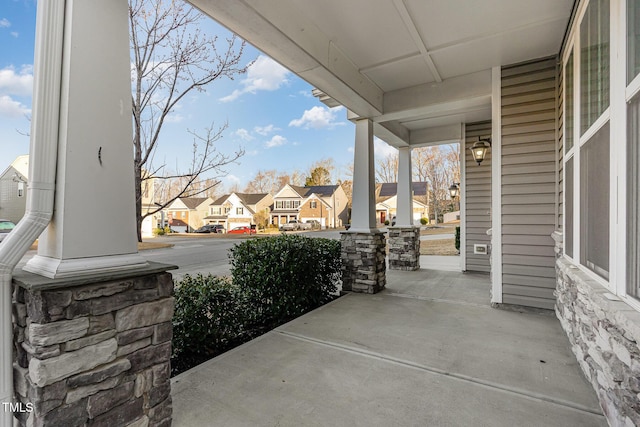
(427, 351)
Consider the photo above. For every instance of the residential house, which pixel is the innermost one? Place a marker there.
(547, 91)
(387, 201)
(240, 210)
(327, 204)
(187, 214)
(148, 194)
(13, 189)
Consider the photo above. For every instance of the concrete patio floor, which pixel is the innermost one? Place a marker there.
(427, 351)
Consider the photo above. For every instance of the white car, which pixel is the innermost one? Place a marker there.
(5, 227)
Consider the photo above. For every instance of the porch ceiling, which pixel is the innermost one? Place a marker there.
(407, 64)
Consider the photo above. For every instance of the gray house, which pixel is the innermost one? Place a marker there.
(13, 189)
(543, 96)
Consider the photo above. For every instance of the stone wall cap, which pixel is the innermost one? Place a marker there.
(34, 282)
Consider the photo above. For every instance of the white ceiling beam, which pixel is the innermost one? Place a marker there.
(417, 39)
(436, 135)
(428, 98)
(289, 37)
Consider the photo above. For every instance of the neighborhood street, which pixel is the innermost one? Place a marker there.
(205, 253)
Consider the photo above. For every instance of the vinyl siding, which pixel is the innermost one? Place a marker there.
(529, 193)
(478, 198)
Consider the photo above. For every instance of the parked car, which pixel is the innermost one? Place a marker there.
(211, 228)
(5, 227)
(242, 230)
(291, 225)
(311, 224)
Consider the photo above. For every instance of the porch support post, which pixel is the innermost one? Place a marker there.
(92, 338)
(93, 225)
(404, 237)
(363, 245)
(404, 215)
(363, 213)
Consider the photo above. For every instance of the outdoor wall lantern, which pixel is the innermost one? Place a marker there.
(479, 149)
(454, 190)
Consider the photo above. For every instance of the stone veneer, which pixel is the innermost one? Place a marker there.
(604, 333)
(94, 352)
(404, 248)
(363, 262)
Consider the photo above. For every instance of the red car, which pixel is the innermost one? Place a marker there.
(242, 230)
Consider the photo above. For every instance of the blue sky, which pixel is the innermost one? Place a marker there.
(270, 111)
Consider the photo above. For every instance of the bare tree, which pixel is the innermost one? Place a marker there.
(262, 182)
(171, 57)
(387, 168)
(440, 167)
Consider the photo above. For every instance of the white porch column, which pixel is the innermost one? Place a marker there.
(93, 226)
(404, 214)
(404, 237)
(363, 212)
(363, 246)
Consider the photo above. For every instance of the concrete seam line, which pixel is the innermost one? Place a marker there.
(448, 301)
(460, 377)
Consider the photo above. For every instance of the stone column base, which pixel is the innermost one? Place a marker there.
(94, 350)
(363, 262)
(404, 248)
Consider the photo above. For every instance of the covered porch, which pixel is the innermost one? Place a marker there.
(428, 350)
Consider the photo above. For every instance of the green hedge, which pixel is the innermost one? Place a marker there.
(274, 280)
(286, 276)
(458, 238)
(210, 318)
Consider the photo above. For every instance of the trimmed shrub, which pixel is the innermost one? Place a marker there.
(209, 319)
(458, 238)
(158, 231)
(424, 221)
(285, 276)
(386, 222)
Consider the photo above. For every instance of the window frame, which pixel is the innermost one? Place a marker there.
(581, 138)
(620, 93)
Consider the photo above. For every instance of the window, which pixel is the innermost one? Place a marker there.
(216, 211)
(587, 136)
(313, 204)
(568, 104)
(633, 196)
(568, 213)
(594, 203)
(239, 211)
(20, 189)
(594, 63)
(633, 39)
(183, 214)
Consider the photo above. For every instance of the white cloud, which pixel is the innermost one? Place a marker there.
(351, 150)
(12, 83)
(251, 153)
(317, 118)
(263, 74)
(4, 23)
(12, 109)
(276, 141)
(232, 179)
(174, 118)
(265, 130)
(244, 134)
(381, 149)
(14, 34)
